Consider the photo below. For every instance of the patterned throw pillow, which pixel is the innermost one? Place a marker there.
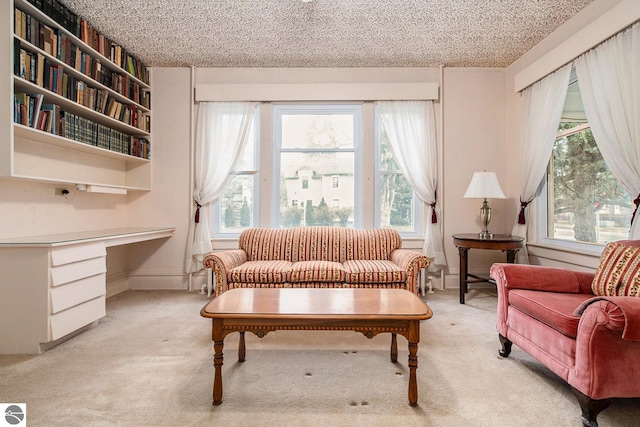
(619, 271)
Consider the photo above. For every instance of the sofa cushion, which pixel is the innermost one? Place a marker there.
(373, 271)
(555, 309)
(372, 244)
(318, 243)
(260, 272)
(618, 273)
(266, 244)
(316, 271)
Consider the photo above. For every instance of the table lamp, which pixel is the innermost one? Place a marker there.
(484, 185)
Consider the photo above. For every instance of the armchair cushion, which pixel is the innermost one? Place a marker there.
(554, 309)
(618, 273)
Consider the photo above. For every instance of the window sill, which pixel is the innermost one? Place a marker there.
(564, 255)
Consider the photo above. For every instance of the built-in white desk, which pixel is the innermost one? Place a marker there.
(54, 285)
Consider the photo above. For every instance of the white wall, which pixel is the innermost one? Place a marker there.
(157, 264)
(28, 208)
(474, 140)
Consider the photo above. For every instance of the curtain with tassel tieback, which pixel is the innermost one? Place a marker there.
(222, 129)
(410, 126)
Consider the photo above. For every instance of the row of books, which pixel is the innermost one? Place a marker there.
(83, 130)
(42, 71)
(29, 110)
(84, 31)
(57, 44)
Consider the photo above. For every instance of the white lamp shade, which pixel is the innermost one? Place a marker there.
(484, 185)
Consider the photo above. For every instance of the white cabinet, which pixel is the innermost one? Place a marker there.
(77, 287)
(53, 286)
(48, 292)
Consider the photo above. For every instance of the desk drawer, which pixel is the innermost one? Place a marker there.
(74, 253)
(78, 270)
(74, 293)
(74, 318)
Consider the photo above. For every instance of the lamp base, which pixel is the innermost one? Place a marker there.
(485, 216)
(485, 235)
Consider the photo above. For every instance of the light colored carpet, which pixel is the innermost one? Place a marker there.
(150, 363)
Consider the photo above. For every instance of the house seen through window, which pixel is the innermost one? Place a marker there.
(317, 147)
(585, 201)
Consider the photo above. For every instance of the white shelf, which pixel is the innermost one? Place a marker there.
(51, 139)
(22, 85)
(30, 154)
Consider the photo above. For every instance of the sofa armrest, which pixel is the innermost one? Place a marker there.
(540, 278)
(412, 262)
(607, 348)
(221, 263)
(614, 313)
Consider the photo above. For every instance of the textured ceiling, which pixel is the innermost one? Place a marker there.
(327, 33)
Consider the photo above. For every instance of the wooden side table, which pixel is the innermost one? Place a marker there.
(464, 242)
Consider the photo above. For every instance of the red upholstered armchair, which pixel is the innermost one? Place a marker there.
(585, 327)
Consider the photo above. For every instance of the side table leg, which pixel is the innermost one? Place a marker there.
(511, 255)
(218, 344)
(394, 348)
(464, 267)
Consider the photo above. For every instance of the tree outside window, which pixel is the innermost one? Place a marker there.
(585, 202)
(397, 198)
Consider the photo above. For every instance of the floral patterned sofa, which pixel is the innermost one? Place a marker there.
(317, 257)
(583, 326)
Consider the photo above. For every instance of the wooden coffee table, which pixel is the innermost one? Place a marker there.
(369, 311)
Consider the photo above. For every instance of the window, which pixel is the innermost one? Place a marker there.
(236, 209)
(585, 203)
(314, 146)
(316, 155)
(397, 205)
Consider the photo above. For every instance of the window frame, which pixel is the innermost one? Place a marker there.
(543, 208)
(318, 108)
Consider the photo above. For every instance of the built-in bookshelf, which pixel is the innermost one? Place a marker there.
(76, 108)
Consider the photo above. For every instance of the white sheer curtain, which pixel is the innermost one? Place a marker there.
(542, 108)
(411, 128)
(221, 133)
(609, 79)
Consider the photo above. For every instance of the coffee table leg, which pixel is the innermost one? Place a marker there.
(414, 339)
(394, 348)
(242, 351)
(218, 344)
